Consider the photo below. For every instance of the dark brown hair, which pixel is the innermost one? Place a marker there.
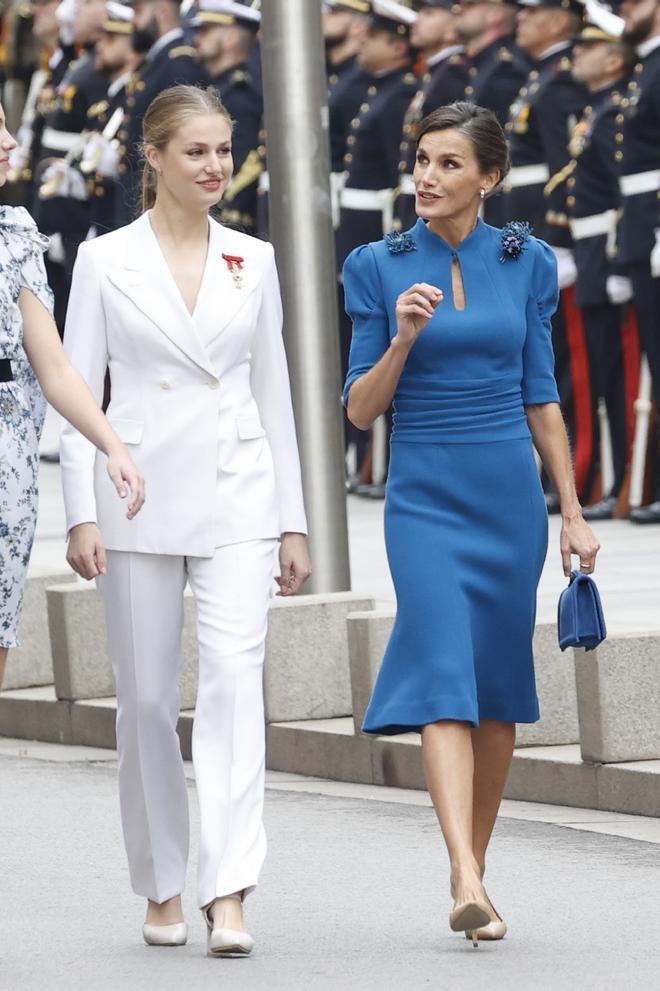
(164, 116)
(478, 124)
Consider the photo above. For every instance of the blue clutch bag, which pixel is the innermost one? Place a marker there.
(580, 620)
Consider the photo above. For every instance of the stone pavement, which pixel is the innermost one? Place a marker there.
(353, 895)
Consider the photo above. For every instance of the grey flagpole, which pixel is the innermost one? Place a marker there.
(295, 96)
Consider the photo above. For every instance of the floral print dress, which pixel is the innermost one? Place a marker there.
(22, 411)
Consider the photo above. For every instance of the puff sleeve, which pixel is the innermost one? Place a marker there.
(33, 269)
(365, 305)
(538, 378)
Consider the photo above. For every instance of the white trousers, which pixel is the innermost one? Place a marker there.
(143, 597)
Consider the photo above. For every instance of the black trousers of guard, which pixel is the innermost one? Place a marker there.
(603, 327)
(647, 304)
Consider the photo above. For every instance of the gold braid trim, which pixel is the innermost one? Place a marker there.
(559, 177)
(248, 173)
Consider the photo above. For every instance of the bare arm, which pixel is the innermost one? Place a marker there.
(550, 439)
(373, 392)
(67, 391)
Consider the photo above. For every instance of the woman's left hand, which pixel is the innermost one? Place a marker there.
(577, 537)
(126, 478)
(295, 565)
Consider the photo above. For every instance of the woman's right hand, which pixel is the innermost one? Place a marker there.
(414, 309)
(86, 553)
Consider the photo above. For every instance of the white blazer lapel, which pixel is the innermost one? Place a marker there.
(229, 294)
(144, 277)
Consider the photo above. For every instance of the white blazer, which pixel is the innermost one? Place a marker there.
(203, 401)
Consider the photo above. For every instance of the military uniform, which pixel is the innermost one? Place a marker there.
(371, 162)
(444, 81)
(40, 103)
(538, 129)
(495, 77)
(65, 217)
(346, 93)
(243, 99)
(108, 209)
(593, 203)
(168, 63)
(637, 160)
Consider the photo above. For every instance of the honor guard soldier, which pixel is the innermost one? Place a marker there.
(602, 63)
(168, 61)
(54, 32)
(344, 26)
(444, 81)
(497, 68)
(60, 207)
(371, 163)
(103, 152)
(541, 120)
(225, 36)
(637, 158)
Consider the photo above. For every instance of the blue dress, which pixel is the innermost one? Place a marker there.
(465, 520)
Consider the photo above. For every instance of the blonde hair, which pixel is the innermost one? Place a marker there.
(164, 116)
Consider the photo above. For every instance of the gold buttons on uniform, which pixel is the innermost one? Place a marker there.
(618, 155)
(348, 158)
(570, 200)
(351, 139)
(620, 118)
(619, 138)
(469, 90)
(355, 122)
(570, 182)
(364, 107)
(473, 71)
(372, 91)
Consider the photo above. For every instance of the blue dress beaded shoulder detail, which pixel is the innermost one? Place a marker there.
(465, 518)
(22, 411)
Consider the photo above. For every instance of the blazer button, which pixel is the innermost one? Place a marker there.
(164, 384)
(214, 384)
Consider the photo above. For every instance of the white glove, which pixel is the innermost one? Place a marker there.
(619, 289)
(65, 13)
(566, 267)
(64, 180)
(102, 156)
(655, 255)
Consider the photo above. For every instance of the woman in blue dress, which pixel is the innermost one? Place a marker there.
(451, 323)
(33, 363)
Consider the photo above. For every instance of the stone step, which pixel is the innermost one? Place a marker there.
(330, 748)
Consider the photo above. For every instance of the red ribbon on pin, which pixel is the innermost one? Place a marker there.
(234, 263)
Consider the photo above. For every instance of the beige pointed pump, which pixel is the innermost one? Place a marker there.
(224, 942)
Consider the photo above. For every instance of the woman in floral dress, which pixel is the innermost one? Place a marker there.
(31, 360)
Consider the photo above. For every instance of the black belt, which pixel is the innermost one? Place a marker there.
(6, 374)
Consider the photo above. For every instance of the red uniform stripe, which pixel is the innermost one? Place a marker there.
(579, 359)
(631, 362)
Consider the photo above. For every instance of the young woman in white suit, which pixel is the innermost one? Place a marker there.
(186, 315)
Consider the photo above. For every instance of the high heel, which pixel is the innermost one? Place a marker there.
(496, 928)
(469, 917)
(175, 934)
(224, 942)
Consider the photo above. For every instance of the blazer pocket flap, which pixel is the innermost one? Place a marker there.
(128, 431)
(249, 427)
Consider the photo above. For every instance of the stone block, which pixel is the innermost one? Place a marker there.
(35, 714)
(81, 667)
(320, 748)
(31, 664)
(553, 775)
(618, 691)
(630, 788)
(368, 634)
(307, 668)
(555, 685)
(397, 761)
